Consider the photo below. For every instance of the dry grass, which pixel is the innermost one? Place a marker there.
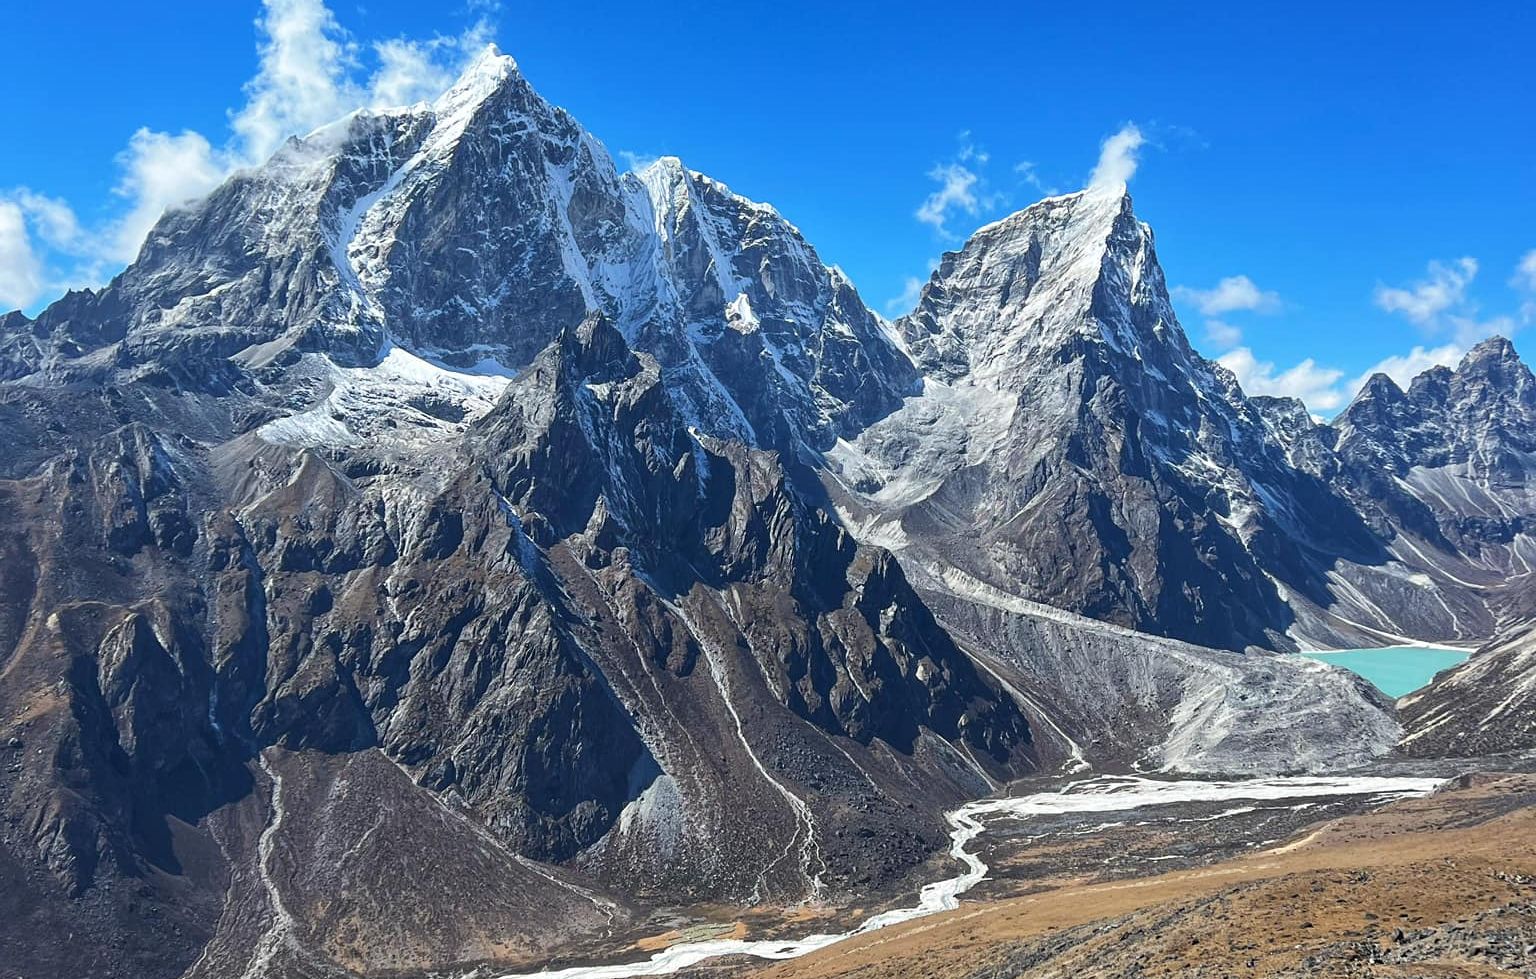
(1331, 901)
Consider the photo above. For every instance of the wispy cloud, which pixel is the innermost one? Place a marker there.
(1029, 173)
(962, 190)
(417, 71)
(1525, 272)
(1314, 384)
(1231, 294)
(21, 273)
(1439, 304)
(310, 71)
(957, 192)
(1118, 157)
(1326, 389)
(1425, 301)
(1223, 335)
(31, 226)
(52, 217)
(911, 292)
(1524, 281)
(637, 161)
(305, 59)
(970, 152)
(160, 171)
(1403, 368)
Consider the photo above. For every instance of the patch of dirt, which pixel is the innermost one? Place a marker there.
(697, 933)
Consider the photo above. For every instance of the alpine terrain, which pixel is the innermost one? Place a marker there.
(442, 551)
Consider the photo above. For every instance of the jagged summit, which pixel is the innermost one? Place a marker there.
(1084, 214)
(1069, 438)
(1028, 282)
(666, 169)
(1491, 371)
(1449, 466)
(490, 62)
(1380, 385)
(490, 73)
(1494, 348)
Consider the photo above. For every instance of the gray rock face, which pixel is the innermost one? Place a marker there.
(803, 359)
(1486, 706)
(1071, 445)
(1102, 695)
(597, 638)
(1451, 460)
(1441, 474)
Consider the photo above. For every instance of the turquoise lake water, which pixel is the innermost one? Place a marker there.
(1397, 670)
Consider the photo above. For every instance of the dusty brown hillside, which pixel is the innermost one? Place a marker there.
(1443, 886)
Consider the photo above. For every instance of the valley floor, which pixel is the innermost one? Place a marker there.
(1438, 886)
(1405, 868)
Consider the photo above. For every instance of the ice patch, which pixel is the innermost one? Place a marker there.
(405, 401)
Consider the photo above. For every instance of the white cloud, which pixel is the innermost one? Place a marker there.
(409, 72)
(1425, 301)
(1525, 272)
(1315, 385)
(1324, 388)
(1440, 306)
(31, 219)
(1234, 293)
(53, 219)
(308, 73)
(1117, 158)
(417, 71)
(911, 292)
(970, 152)
(1223, 335)
(637, 161)
(21, 273)
(1404, 368)
(962, 188)
(1525, 281)
(301, 82)
(957, 192)
(1030, 174)
(160, 171)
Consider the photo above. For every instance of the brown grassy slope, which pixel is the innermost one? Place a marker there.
(1443, 886)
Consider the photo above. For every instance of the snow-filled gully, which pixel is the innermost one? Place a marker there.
(1096, 795)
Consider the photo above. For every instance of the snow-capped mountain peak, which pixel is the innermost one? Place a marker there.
(1027, 283)
(488, 72)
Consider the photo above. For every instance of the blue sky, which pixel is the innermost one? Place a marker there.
(1332, 190)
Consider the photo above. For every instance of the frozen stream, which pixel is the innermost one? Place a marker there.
(1102, 794)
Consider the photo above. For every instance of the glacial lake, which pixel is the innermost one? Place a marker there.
(1395, 670)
